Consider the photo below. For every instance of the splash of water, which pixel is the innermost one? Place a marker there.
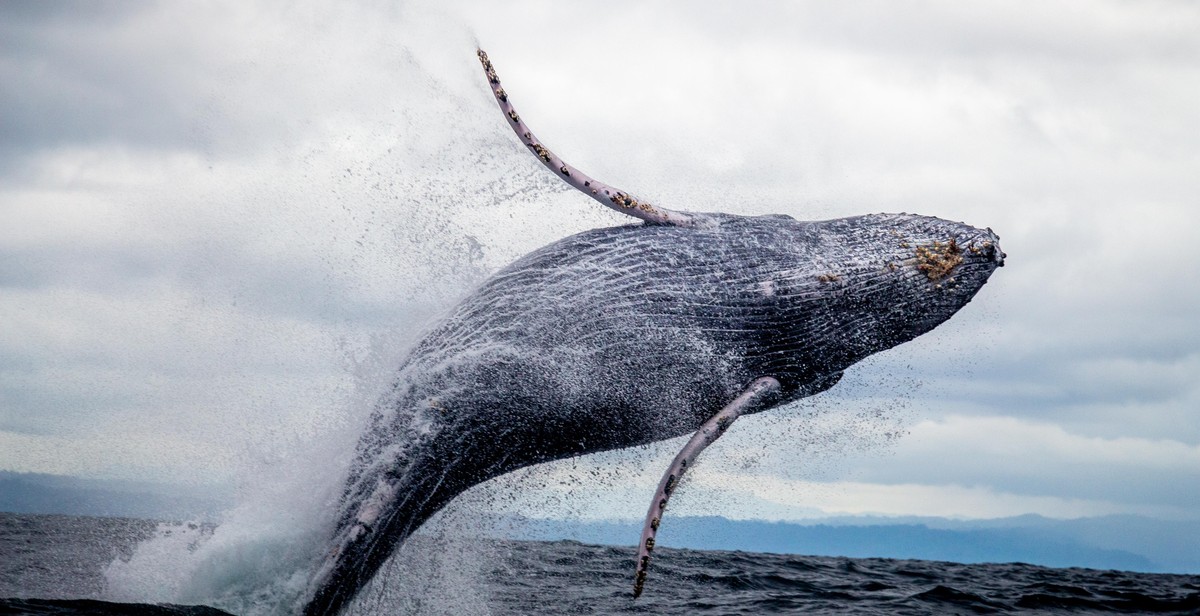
(416, 168)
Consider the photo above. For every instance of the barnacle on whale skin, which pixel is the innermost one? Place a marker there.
(937, 260)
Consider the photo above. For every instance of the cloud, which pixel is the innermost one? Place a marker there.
(96, 75)
(226, 223)
(967, 468)
(247, 295)
(600, 488)
(907, 499)
(835, 459)
(147, 455)
(1038, 459)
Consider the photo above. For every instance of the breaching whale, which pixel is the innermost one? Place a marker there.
(622, 336)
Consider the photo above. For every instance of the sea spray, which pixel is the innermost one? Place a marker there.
(251, 563)
(443, 571)
(396, 199)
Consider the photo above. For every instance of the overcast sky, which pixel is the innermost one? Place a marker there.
(221, 224)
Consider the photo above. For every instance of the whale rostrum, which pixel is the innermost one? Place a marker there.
(628, 335)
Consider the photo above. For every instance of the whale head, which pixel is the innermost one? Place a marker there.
(841, 290)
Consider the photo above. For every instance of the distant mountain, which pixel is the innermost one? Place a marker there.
(1126, 543)
(1172, 544)
(38, 493)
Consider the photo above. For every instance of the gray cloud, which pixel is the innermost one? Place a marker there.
(210, 213)
(76, 75)
(1048, 462)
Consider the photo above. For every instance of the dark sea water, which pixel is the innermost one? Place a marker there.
(55, 565)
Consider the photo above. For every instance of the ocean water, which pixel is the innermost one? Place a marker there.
(57, 564)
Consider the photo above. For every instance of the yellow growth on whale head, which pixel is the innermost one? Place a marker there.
(937, 260)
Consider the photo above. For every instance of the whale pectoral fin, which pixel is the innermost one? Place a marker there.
(616, 199)
(708, 433)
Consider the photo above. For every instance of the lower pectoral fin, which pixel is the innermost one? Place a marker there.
(708, 433)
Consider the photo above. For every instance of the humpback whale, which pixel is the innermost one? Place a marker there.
(621, 336)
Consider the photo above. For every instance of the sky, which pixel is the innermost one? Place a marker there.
(222, 224)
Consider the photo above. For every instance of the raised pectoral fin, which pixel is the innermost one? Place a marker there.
(708, 433)
(616, 199)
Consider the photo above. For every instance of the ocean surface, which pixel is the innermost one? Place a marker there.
(57, 564)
